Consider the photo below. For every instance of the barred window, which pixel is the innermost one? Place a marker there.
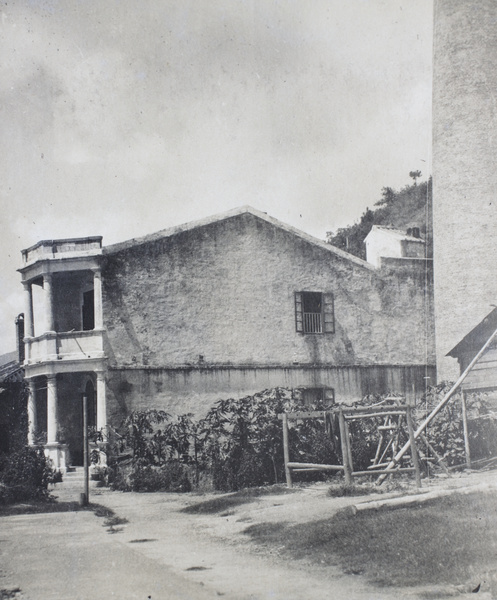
(314, 312)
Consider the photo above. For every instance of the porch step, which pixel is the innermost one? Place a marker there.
(72, 485)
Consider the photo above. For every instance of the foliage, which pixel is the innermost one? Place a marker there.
(13, 416)
(408, 207)
(239, 443)
(445, 433)
(25, 475)
(170, 477)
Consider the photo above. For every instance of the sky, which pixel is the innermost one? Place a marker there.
(124, 117)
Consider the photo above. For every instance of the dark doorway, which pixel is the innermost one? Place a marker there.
(76, 442)
(41, 413)
(88, 310)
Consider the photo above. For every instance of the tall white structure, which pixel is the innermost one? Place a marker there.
(464, 171)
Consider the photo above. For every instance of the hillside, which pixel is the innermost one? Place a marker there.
(409, 207)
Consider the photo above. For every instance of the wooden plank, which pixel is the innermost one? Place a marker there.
(400, 410)
(370, 415)
(297, 465)
(384, 471)
(311, 414)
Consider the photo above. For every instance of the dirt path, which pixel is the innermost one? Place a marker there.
(156, 551)
(213, 551)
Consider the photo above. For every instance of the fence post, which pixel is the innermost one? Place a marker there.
(414, 450)
(345, 448)
(85, 496)
(286, 451)
(465, 429)
(349, 446)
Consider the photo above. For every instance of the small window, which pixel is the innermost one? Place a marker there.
(321, 395)
(314, 312)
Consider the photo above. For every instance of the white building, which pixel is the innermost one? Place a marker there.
(387, 242)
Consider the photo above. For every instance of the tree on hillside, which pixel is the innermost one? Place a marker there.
(408, 207)
(415, 175)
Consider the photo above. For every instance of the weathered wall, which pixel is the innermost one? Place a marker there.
(464, 172)
(224, 294)
(179, 391)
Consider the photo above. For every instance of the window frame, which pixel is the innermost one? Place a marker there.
(327, 314)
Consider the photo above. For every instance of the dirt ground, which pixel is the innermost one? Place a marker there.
(200, 540)
(210, 546)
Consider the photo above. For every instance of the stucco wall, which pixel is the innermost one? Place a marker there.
(179, 391)
(224, 294)
(464, 172)
(380, 244)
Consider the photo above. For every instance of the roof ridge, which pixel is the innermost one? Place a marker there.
(227, 215)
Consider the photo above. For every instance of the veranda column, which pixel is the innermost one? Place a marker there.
(51, 409)
(101, 402)
(28, 310)
(32, 418)
(28, 319)
(97, 294)
(47, 286)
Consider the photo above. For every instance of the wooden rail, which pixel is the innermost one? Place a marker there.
(345, 415)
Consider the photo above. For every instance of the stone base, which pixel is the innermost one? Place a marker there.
(58, 454)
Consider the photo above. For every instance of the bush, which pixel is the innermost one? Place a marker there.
(239, 443)
(170, 477)
(25, 475)
(445, 432)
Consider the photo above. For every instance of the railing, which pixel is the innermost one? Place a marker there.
(312, 323)
(72, 345)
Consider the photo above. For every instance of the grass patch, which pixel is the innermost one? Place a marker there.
(35, 507)
(217, 505)
(10, 594)
(452, 540)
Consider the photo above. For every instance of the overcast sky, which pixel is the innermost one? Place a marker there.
(124, 117)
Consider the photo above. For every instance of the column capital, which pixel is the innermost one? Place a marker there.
(51, 377)
(100, 375)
